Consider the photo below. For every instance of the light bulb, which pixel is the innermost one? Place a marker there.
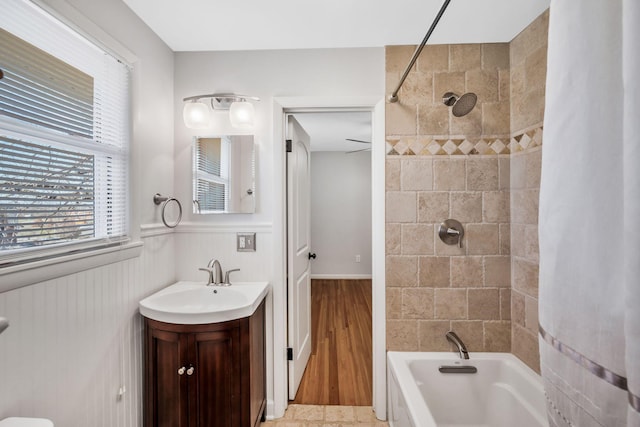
(196, 115)
(241, 114)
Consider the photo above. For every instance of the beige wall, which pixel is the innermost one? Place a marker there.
(438, 167)
(528, 73)
(482, 169)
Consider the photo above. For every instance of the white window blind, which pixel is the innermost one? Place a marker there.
(41, 89)
(64, 138)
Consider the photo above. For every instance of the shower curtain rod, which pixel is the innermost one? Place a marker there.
(394, 95)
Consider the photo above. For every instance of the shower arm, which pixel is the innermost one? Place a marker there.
(394, 95)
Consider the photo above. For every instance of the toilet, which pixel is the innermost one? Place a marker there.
(25, 422)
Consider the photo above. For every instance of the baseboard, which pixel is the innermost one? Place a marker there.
(269, 410)
(341, 276)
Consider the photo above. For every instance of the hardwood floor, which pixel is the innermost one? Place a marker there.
(339, 371)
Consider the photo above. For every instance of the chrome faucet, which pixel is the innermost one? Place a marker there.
(215, 272)
(453, 338)
(226, 277)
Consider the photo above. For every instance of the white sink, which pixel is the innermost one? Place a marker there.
(192, 303)
(25, 422)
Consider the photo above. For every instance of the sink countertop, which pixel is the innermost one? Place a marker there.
(193, 303)
(25, 422)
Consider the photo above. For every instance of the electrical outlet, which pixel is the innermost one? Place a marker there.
(357, 258)
(246, 242)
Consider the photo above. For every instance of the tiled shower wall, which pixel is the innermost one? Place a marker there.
(482, 169)
(528, 74)
(438, 167)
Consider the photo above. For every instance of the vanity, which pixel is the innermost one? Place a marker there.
(205, 355)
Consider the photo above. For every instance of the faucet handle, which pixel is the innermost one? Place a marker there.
(226, 277)
(210, 271)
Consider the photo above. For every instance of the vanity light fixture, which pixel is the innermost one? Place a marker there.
(196, 113)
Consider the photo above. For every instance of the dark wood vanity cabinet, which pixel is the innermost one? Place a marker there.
(205, 375)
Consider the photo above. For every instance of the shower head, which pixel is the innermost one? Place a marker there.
(462, 105)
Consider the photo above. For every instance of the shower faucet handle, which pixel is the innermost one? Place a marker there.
(4, 324)
(451, 232)
(458, 234)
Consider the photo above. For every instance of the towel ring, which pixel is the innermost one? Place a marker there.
(158, 198)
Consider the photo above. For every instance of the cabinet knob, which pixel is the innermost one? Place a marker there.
(190, 370)
(182, 370)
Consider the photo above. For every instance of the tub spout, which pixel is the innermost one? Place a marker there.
(453, 338)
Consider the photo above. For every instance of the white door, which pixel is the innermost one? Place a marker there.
(298, 251)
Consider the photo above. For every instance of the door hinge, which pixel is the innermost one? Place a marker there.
(289, 147)
(289, 353)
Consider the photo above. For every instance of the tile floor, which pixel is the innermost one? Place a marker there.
(327, 416)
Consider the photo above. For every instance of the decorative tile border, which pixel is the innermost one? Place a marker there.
(464, 146)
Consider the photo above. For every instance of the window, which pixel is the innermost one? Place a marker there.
(211, 163)
(64, 138)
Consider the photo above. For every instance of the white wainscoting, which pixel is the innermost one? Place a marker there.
(76, 341)
(196, 244)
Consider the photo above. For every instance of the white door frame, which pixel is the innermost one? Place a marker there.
(281, 105)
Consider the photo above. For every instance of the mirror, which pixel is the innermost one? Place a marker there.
(223, 174)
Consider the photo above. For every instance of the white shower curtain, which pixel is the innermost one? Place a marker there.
(590, 215)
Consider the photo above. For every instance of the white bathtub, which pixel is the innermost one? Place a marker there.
(503, 393)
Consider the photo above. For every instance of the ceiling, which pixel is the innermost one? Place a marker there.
(329, 131)
(222, 25)
(205, 25)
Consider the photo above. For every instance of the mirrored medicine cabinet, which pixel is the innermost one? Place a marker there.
(223, 174)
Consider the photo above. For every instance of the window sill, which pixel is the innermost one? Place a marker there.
(38, 271)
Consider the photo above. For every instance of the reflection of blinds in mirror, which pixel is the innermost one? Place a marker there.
(212, 171)
(211, 195)
(209, 152)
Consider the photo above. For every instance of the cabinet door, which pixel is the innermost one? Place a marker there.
(166, 384)
(256, 380)
(215, 399)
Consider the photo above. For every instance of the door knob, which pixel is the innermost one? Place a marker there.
(190, 370)
(182, 370)
(312, 255)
